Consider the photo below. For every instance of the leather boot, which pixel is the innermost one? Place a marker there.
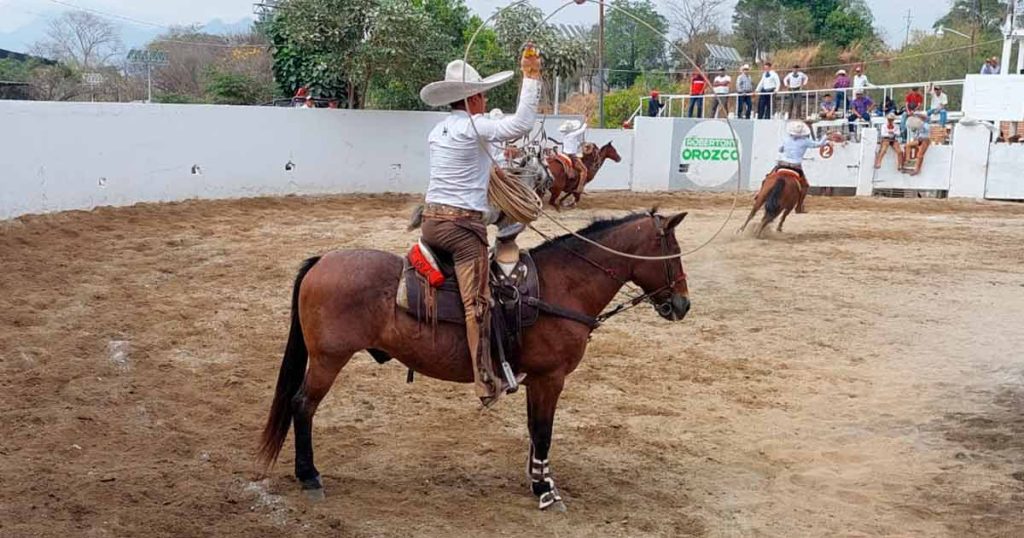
(473, 288)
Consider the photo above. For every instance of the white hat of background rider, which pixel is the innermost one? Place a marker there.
(798, 128)
(496, 114)
(460, 81)
(569, 125)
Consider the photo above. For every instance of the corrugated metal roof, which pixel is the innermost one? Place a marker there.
(722, 57)
(571, 31)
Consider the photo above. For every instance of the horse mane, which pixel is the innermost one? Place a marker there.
(593, 231)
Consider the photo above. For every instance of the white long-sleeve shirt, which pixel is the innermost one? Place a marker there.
(795, 80)
(572, 141)
(769, 82)
(460, 167)
(860, 82)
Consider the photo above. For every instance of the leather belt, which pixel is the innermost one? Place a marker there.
(443, 210)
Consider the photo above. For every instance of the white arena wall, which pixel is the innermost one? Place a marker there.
(61, 156)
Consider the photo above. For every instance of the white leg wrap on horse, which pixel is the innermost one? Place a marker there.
(539, 472)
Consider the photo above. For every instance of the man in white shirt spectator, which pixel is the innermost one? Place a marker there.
(720, 87)
(766, 90)
(940, 100)
(795, 82)
(860, 80)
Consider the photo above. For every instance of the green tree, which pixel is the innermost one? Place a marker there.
(564, 56)
(630, 46)
(343, 48)
(758, 26)
(982, 15)
(764, 26)
(236, 89)
(845, 28)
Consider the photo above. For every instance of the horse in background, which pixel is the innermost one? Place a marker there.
(593, 159)
(780, 193)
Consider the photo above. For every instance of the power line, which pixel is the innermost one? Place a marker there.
(111, 15)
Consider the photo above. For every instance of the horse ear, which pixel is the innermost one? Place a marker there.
(675, 220)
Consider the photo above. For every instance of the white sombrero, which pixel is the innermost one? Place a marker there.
(798, 128)
(460, 81)
(569, 126)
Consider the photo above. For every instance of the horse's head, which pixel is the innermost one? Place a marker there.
(663, 280)
(608, 151)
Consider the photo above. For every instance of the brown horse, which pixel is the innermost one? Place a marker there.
(780, 193)
(593, 159)
(344, 302)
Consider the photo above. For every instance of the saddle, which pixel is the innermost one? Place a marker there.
(431, 294)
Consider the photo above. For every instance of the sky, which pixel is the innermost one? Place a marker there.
(18, 14)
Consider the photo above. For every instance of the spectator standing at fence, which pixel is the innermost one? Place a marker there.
(860, 109)
(744, 87)
(766, 90)
(990, 67)
(794, 83)
(841, 85)
(939, 103)
(827, 109)
(860, 80)
(654, 104)
(720, 87)
(698, 85)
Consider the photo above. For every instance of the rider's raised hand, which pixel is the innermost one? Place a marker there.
(530, 62)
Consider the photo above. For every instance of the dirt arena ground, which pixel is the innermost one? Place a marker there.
(859, 375)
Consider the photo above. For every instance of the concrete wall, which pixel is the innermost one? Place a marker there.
(1005, 179)
(59, 156)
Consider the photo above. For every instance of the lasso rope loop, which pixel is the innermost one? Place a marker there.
(520, 202)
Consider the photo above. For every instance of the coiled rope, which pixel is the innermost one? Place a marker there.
(508, 192)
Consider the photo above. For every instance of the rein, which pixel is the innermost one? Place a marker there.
(633, 302)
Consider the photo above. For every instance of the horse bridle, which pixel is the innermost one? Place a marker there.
(663, 308)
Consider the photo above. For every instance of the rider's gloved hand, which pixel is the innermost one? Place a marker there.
(530, 62)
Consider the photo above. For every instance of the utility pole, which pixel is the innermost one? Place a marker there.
(147, 59)
(600, 68)
(908, 18)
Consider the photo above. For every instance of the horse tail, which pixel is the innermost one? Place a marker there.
(773, 205)
(289, 379)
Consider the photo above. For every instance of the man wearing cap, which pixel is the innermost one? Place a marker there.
(860, 80)
(744, 87)
(890, 139)
(654, 105)
(461, 155)
(938, 105)
(860, 109)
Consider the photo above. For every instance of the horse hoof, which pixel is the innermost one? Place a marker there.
(313, 488)
(314, 495)
(558, 507)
